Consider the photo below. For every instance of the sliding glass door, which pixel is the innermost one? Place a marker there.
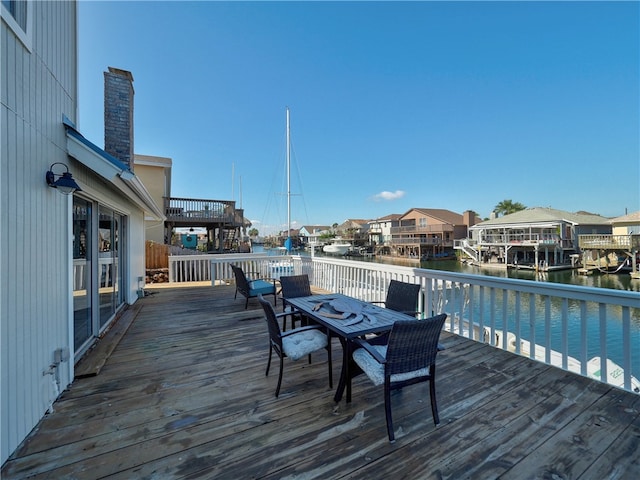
(82, 272)
(109, 262)
(98, 268)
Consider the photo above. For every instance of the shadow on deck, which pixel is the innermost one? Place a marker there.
(184, 395)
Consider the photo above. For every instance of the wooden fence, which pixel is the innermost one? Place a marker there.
(157, 255)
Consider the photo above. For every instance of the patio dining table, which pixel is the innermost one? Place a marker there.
(347, 318)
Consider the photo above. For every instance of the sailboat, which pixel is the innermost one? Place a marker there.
(288, 243)
(280, 267)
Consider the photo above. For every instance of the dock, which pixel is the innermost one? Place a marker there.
(183, 394)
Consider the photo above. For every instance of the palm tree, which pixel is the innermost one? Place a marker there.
(506, 207)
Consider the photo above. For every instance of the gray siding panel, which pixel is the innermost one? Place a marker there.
(36, 89)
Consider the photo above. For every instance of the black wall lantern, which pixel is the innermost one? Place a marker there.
(64, 183)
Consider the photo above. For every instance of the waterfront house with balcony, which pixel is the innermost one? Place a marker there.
(354, 231)
(626, 224)
(380, 232)
(429, 232)
(540, 238)
(310, 235)
(615, 252)
(224, 223)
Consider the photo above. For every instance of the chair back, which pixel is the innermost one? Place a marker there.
(294, 286)
(402, 297)
(272, 323)
(242, 284)
(413, 344)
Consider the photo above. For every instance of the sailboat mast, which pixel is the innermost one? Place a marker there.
(288, 182)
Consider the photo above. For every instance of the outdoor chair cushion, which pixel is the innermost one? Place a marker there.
(375, 370)
(260, 287)
(297, 344)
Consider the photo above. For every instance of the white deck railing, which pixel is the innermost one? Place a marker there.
(592, 331)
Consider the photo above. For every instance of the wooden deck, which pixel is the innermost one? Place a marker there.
(184, 395)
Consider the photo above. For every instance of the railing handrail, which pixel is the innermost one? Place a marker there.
(573, 292)
(606, 240)
(437, 228)
(528, 318)
(199, 200)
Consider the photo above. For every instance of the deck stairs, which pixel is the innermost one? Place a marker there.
(471, 252)
(230, 239)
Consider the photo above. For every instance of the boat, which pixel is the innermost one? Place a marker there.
(337, 247)
(615, 374)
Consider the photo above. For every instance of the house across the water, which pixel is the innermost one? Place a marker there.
(539, 238)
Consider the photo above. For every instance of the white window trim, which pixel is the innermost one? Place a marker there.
(24, 37)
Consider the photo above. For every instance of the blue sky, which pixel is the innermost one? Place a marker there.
(394, 105)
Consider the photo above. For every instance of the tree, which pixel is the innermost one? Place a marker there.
(253, 232)
(506, 207)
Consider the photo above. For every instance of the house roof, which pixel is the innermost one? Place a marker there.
(387, 218)
(315, 228)
(545, 215)
(111, 169)
(445, 216)
(353, 223)
(631, 218)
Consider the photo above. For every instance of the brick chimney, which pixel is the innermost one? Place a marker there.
(118, 115)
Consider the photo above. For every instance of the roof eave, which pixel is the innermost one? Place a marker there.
(111, 170)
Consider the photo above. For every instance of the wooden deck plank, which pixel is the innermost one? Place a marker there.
(592, 432)
(95, 359)
(184, 395)
(623, 461)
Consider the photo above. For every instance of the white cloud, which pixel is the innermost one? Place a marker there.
(389, 195)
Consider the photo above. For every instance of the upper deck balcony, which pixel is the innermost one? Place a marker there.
(609, 242)
(421, 241)
(185, 212)
(524, 240)
(422, 229)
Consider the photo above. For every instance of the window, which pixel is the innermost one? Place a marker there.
(17, 15)
(18, 10)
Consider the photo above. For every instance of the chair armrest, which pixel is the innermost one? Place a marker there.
(372, 351)
(288, 313)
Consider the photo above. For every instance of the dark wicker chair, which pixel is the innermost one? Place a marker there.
(252, 288)
(402, 297)
(408, 358)
(295, 343)
(293, 286)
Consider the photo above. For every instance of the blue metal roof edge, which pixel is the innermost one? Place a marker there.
(71, 130)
